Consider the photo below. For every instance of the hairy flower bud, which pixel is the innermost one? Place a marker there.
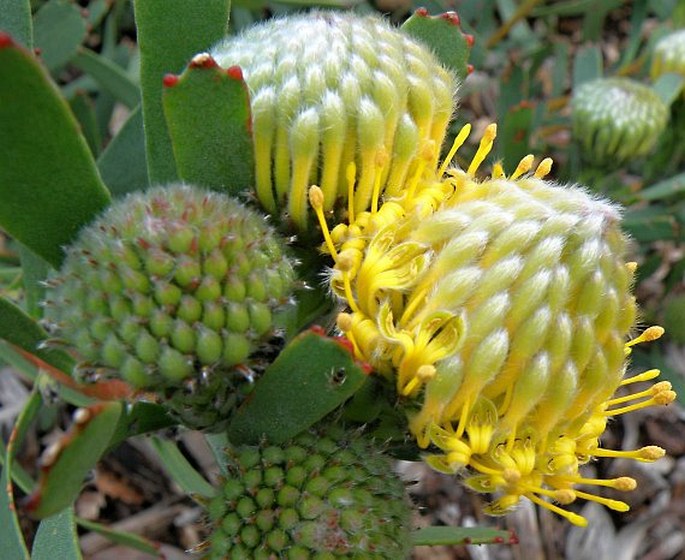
(500, 309)
(166, 290)
(332, 90)
(617, 119)
(669, 55)
(327, 493)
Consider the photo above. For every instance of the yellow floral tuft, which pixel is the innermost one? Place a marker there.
(501, 308)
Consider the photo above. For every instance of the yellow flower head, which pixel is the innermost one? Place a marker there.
(501, 308)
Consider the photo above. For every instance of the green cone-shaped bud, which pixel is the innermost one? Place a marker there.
(669, 55)
(617, 119)
(328, 493)
(332, 89)
(143, 294)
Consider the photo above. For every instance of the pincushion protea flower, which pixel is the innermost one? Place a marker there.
(669, 55)
(616, 119)
(501, 310)
(329, 89)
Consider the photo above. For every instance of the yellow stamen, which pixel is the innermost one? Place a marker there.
(381, 161)
(458, 143)
(484, 468)
(653, 390)
(622, 483)
(644, 376)
(316, 201)
(498, 171)
(631, 266)
(616, 505)
(648, 335)
(576, 519)
(544, 168)
(465, 410)
(483, 148)
(661, 397)
(351, 177)
(646, 454)
(524, 166)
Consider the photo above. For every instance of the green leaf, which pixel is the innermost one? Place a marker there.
(109, 75)
(19, 476)
(587, 65)
(21, 330)
(35, 270)
(58, 30)
(443, 35)
(11, 355)
(13, 545)
(123, 165)
(452, 536)
(78, 452)
(49, 185)
(191, 481)
(312, 376)
(56, 538)
(669, 87)
(15, 19)
(219, 443)
(664, 189)
(141, 418)
(125, 539)
(650, 224)
(83, 108)
(208, 115)
(515, 135)
(170, 32)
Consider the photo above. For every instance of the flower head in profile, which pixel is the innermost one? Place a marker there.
(501, 309)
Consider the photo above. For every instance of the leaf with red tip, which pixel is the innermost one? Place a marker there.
(15, 19)
(311, 377)
(49, 185)
(443, 35)
(169, 33)
(208, 114)
(66, 463)
(451, 536)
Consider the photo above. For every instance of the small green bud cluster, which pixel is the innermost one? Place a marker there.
(330, 89)
(170, 285)
(669, 55)
(326, 494)
(617, 119)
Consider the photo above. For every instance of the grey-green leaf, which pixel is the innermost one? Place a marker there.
(56, 538)
(49, 184)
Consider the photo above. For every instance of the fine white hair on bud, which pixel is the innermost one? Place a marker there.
(397, 99)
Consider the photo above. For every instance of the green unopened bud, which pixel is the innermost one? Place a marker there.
(617, 119)
(330, 89)
(155, 290)
(269, 511)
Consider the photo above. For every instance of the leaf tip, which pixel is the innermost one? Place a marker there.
(451, 18)
(470, 40)
(469, 69)
(235, 72)
(421, 12)
(6, 40)
(203, 60)
(170, 80)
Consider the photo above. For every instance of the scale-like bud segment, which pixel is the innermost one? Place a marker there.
(669, 55)
(617, 119)
(173, 290)
(325, 494)
(500, 309)
(331, 90)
